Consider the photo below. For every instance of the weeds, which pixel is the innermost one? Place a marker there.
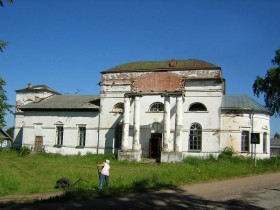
(38, 173)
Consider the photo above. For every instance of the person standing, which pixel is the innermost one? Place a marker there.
(104, 175)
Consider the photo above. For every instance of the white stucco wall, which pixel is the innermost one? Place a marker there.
(234, 124)
(44, 124)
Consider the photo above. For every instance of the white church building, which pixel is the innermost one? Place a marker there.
(165, 110)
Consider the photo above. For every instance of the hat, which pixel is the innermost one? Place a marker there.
(108, 161)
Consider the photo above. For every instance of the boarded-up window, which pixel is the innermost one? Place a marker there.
(38, 144)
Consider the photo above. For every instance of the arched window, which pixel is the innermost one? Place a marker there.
(157, 107)
(119, 107)
(264, 142)
(195, 137)
(197, 107)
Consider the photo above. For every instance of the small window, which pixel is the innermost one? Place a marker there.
(196, 107)
(245, 141)
(157, 107)
(59, 135)
(195, 137)
(264, 142)
(82, 136)
(119, 107)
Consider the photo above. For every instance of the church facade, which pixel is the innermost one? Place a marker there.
(159, 109)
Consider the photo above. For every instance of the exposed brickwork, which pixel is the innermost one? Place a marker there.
(158, 82)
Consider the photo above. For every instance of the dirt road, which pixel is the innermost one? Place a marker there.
(257, 192)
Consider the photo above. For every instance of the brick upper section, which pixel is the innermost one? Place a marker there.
(158, 82)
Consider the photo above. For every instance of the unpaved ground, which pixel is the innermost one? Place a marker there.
(257, 192)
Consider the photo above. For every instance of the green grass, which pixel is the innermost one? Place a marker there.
(32, 174)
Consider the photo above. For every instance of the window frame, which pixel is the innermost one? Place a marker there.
(204, 108)
(59, 129)
(265, 142)
(82, 133)
(156, 107)
(195, 137)
(118, 108)
(245, 141)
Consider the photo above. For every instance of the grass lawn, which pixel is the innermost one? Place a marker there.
(32, 174)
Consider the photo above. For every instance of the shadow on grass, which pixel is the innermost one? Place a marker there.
(139, 196)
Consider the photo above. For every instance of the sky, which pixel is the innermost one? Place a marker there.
(65, 44)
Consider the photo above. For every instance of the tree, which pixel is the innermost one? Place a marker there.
(4, 106)
(276, 135)
(3, 44)
(10, 132)
(2, 4)
(270, 86)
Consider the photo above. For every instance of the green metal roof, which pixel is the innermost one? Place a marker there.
(242, 103)
(65, 102)
(191, 64)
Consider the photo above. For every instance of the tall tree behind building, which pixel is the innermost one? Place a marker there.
(3, 44)
(4, 106)
(270, 86)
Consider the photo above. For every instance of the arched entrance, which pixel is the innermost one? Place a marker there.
(155, 145)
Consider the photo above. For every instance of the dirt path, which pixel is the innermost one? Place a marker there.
(257, 192)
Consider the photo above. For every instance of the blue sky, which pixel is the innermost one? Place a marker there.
(65, 44)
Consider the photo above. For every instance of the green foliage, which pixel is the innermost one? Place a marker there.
(38, 173)
(1, 141)
(276, 135)
(2, 4)
(10, 132)
(270, 86)
(3, 44)
(4, 106)
(24, 151)
(227, 152)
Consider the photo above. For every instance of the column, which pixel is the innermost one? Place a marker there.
(136, 137)
(125, 131)
(166, 124)
(178, 124)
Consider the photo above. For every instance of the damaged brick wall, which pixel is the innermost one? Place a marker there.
(158, 82)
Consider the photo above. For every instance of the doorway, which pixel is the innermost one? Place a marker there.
(155, 145)
(38, 146)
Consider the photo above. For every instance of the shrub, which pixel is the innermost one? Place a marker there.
(24, 151)
(227, 152)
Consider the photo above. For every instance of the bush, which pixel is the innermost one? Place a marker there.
(227, 152)
(24, 151)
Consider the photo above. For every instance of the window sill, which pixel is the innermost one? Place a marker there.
(57, 145)
(80, 147)
(195, 151)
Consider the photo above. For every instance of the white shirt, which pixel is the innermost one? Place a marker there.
(105, 169)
